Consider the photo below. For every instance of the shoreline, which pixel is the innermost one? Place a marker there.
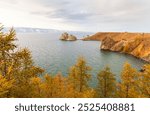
(126, 54)
(146, 61)
(134, 44)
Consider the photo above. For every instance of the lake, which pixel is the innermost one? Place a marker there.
(57, 56)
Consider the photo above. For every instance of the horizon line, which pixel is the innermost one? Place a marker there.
(77, 30)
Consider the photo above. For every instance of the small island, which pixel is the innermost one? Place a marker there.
(67, 37)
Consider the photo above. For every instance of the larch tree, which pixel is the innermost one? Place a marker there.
(106, 87)
(16, 65)
(36, 88)
(24, 65)
(80, 75)
(48, 86)
(72, 82)
(7, 47)
(5, 86)
(144, 82)
(127, 88)
(59, 89)
(24, 70)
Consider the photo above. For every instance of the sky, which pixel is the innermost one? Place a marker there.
(77, 15)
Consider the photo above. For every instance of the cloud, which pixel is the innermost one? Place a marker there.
(66, 15)
(11, 1)
(99, 11)
(89, 15)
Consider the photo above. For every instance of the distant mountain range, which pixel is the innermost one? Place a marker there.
(31, 30)
(25, 30)
(39, 30)
(21, 30)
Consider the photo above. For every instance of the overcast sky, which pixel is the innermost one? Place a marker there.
(84, 15)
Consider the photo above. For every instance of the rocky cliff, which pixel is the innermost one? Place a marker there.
(67, 37)
(136, 44)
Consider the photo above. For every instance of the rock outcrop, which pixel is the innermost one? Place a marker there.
(68, 37)
(136, 44)
(64, 36)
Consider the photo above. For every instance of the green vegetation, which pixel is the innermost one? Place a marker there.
(19, 77)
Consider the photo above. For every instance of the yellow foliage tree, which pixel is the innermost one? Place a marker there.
(144, 82)
(48, 86)
(6, 48)
(79, 74)
(127, 87)
(36, 87)
(106, 87)
(59, 86)
(5, 86)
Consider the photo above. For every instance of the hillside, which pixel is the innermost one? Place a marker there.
(136, 44)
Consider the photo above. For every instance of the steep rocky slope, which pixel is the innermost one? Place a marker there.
(136, 44)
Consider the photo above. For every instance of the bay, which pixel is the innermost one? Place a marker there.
(57, 56)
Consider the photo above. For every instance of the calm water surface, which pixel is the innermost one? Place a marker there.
(57, 56)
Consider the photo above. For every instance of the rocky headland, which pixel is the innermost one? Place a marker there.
(136, 44)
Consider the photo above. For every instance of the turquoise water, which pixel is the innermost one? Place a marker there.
(57, 56)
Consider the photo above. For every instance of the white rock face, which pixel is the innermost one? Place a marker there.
(66, 37)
